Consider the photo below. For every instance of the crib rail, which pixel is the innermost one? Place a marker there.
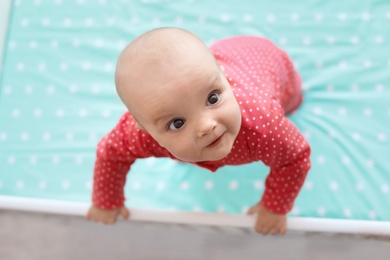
(361, 227)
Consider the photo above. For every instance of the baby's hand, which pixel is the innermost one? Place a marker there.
(268, 222)
(106, 216)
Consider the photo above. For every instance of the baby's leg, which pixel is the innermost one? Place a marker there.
(291, 95)
(293, 103)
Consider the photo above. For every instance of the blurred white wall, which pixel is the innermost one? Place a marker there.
(5, 7)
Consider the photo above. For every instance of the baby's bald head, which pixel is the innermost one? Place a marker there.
(154, 58)
(174, 88)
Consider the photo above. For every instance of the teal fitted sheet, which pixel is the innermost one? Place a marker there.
(58, 99)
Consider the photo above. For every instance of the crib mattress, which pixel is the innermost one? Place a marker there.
(58, 99)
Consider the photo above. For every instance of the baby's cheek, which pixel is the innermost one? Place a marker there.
(181, 150)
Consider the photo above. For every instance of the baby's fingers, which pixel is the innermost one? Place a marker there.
(264, 229)
(125, 213)
(282, 231)
(109, 220)
(253, 210)
(267, 228)
(91, 215)
(268, 231)
(277, 231)
(88, 216)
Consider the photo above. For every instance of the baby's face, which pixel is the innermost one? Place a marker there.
(190, 110)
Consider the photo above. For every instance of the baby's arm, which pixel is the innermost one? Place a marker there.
(287, 153)
(113, 161)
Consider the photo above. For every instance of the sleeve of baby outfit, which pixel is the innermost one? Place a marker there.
(115, 154)
(284, 149)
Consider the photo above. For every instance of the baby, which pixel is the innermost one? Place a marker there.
(223, 105)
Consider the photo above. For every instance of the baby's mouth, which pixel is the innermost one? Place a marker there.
(216, 141)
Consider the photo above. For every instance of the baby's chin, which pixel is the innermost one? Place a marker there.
(204, 158)
(214, 158)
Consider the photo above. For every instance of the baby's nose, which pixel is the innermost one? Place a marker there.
(206, 127)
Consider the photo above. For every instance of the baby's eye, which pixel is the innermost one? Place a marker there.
(212, 99)
(176, 124)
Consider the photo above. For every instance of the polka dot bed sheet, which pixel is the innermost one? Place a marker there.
(58, 99)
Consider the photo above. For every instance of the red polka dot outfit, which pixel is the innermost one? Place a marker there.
(266, 87)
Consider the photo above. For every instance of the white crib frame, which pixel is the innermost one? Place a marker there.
(361, 227)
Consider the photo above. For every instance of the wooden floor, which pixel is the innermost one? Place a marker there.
(34, 236)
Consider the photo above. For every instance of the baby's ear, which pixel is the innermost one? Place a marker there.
(140, 127)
